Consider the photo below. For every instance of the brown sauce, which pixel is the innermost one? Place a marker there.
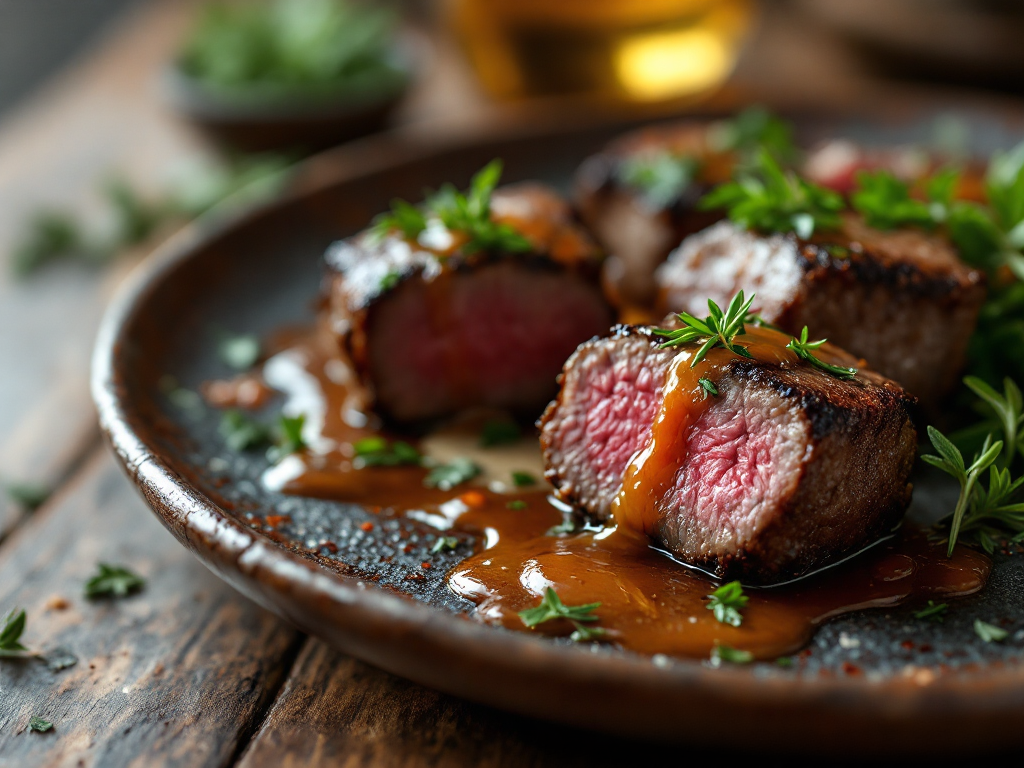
(649, 602)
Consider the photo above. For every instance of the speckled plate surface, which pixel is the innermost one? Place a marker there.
(868, 681)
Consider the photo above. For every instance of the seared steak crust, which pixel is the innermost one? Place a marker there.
(788, 470)
(433, 331)
(901, 300)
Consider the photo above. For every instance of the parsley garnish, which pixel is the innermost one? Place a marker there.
(728, 654)
(39, 725)
(933, 612)
(446, 476)
(661, 175)
(804, 349)
(239, 352)
(443, 543)
(289, 438)
(113, 581)
(10, 634)
(707, 387)
(552, 607)
(951, 461)
(885, 201)
(499, 432)
(378, 452)
(727, 601)
(521, 479)
(772, 200)
(516, 504)
(718, 329)
(242, 433)
(468, 213)
(989, 633)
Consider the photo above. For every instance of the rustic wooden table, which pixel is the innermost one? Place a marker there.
(186, 672)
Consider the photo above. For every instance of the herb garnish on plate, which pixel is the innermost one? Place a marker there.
(551, 607)
(727, 601)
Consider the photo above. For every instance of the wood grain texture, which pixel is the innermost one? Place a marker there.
(179, 674)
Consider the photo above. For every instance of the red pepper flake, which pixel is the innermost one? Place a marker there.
(425, 566)
(275, 520)
(907, 645)
(851, 669)
(367, 526)
(925, 648)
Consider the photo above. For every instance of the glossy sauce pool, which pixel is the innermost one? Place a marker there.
(649, 603)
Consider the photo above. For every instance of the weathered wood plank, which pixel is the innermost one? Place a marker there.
(178, 674)
(336, 711)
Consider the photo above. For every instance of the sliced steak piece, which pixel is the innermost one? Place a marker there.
(639, 197)
(902, 300)
(786, 470)
(431, 332)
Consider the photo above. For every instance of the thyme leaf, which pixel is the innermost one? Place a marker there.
(551, 607)
(804, 349)
(717, 329)
(11, 629)
(113, 581)
(989, 632)
(457, 471)
(727, 601)
(378, 452)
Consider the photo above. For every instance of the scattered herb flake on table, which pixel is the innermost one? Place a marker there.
(113, 581)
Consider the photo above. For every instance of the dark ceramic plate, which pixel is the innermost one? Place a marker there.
(867, 681)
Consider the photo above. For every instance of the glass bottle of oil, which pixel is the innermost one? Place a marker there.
(637, 50)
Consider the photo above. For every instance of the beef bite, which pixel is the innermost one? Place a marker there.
(783, 470)
(639, 196)
(900, 299)
(441, 319)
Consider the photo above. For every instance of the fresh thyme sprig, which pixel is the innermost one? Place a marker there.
(804, 349)
(551, 607)
(769, 199)
(727, 601)
(718, 329)
(951, 461)
(468, 213)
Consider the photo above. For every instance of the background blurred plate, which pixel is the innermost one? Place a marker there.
(898, 682)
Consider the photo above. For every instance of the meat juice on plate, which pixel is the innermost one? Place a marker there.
(649, 602)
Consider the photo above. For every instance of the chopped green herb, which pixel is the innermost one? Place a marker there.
(752, 130)
(584, 634)
(727, 601)
(113, 581)
(522, 479)
(469, 214)
(288, 439)
(804, 349)
(31, 496)
(726, 654)
(11, 629)
(885, 202)
(389, 281)
(718, 329)
(661, 176)
(933, 612)
(59, 658)
(39, 725)
(273, 51)
(378, 452)
(242, 433)
(552, 607)
(499, 432)
(989, 632)
(708, 387)
(784, 661)
(239, 352)
(517, 504)
(50, 236)
(951, 461)
(443, 543)
(772, 200)
(446, 476)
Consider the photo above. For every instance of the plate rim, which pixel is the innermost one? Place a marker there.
(374, 625)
